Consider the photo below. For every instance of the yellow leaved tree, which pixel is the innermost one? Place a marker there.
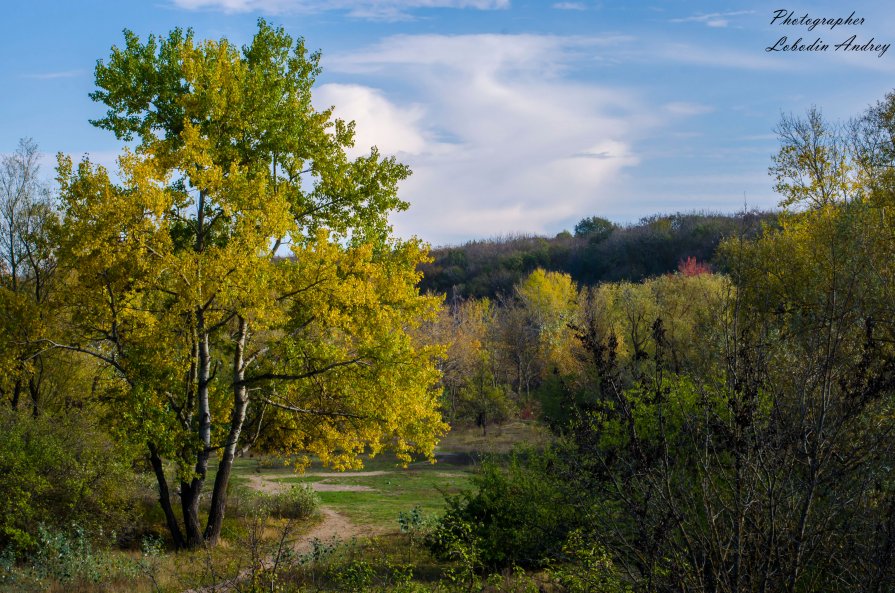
(241, 269)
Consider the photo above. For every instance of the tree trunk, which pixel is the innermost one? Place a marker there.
(191, 492)
(164, 497)
(225, 465)
(16, 393)
(34, 392)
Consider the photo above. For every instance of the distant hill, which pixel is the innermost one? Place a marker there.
(598, 252)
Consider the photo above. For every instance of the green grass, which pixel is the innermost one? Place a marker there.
(396, 490)
(391, 493)
(497, 440)
(401, 489)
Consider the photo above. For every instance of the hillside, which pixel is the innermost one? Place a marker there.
(598, 251)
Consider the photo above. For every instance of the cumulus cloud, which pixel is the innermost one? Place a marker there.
(395, 130)
(367, 9)
(501, 138)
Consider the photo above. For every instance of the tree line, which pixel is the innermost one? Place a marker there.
(598, 251)
(718, 432)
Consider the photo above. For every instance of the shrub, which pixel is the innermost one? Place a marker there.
(58, 471)
(587, 567)
(67, 560)
(416, 525)
(518, 516)
(298, 502)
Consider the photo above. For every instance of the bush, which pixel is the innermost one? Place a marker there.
(518, 516)
(60, 471)
(298, 502)
(66, 559)
(587, 567)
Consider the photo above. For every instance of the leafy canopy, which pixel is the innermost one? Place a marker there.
(183, 265)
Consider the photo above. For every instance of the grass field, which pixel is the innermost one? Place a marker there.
(381, 498)
(377, 494)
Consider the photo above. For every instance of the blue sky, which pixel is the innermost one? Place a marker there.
(515, 116)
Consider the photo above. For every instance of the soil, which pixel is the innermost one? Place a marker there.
(344, 474)
(262, 483)
(333, 524)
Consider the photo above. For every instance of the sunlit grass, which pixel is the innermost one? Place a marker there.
(385, 496)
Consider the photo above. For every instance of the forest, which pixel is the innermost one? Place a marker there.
(221, 371)
(599, 251)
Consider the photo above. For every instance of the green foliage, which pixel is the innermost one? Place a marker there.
(652, 247)
(71, 559)
(513, 581)
(558, 400)
(660, 413)
(64, 556)
(587, 567)
(299, 501)
(355, 576)
(516, 516)
(483, 400)
(60, 470)
(689, 307)
(412, 521)
(595, 228)
(177, 271)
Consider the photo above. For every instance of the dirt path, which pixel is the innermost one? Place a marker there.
(262, 483)
(266, 485)
(344, 474)
(333, 524)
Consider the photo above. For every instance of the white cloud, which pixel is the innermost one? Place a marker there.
(714, 19)
(570, 6)
(683, 108)
(392, 10)
(54, 75)
(394, 130)
(500, 139)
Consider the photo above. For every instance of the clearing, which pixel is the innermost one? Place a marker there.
(366, 503)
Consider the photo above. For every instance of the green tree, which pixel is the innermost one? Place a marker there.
(60, 470)
(26, 275)
(183, 289)
(595, 228)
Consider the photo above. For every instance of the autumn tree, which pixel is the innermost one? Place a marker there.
(550, 300)
(735, 433)
(27, 267)
(764, 467)
(243, 263)
(464, 326)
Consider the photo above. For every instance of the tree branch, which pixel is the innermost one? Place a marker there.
(315, 412)
(297, 377)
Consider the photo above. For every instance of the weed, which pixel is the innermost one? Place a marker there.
(298, 502)
(415, 524)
